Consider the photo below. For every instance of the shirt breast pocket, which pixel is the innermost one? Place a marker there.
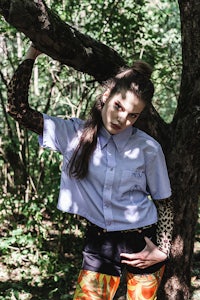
(132, 181)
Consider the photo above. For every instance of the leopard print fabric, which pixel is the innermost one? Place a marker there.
(19, 109)
(165, 224)
(18, 106)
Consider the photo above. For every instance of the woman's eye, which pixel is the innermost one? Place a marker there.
(133, 116)
(117, 106)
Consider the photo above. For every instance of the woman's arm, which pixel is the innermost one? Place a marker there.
(153, 254)
(165, 224)
(18, 106)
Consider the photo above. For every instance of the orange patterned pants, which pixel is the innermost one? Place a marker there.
(96, 286)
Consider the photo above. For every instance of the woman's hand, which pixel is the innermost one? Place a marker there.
(149, 256)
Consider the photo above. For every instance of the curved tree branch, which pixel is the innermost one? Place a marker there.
(59, 40)
(66, 44)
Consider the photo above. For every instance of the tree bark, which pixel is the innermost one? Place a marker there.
(180, 139)
(184, 159)
(59, 40)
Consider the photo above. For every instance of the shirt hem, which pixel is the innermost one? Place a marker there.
(109, 228)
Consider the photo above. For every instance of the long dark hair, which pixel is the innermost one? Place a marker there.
(135, 79)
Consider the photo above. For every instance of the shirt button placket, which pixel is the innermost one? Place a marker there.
(108, 184)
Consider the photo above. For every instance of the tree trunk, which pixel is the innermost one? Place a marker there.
(184, 159)
(180, 139)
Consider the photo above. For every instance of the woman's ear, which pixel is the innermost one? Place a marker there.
(105, 96)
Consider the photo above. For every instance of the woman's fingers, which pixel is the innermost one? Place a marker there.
(149, 256)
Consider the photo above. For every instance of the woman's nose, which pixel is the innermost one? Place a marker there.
(122, 117)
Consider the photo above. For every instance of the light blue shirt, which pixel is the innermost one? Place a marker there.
(124, 170)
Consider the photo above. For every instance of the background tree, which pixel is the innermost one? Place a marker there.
(130, 35)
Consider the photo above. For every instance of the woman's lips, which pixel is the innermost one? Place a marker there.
(115, 126)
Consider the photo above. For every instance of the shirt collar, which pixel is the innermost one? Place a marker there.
(104, 137)
(119, 139)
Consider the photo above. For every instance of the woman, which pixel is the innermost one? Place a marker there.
(115, 176)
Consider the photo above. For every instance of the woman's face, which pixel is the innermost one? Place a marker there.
(119, 112)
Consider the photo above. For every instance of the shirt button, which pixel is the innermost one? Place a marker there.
(111, 169)
(107, 187)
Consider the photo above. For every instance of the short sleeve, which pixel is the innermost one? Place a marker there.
(58, 134)
(157, 176)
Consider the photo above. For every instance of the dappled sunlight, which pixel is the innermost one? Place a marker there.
(97, 159)
(178, 244)
(132, 154)
(173, 285)
(150, 143)
(131, 214)
(67, 204)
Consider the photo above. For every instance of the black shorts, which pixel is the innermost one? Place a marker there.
(102, 250)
